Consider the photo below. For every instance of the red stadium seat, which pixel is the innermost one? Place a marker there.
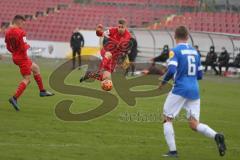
(59, 25)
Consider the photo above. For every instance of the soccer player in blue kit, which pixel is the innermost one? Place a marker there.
(184, 66)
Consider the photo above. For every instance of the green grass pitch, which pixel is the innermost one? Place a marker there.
(35, 133)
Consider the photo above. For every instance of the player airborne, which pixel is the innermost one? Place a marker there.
(117, 45)
(15, 38)
(185, 66)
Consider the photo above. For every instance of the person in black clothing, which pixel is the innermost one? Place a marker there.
(77, 42)
(211, 60)
(155, 69)
(105, 41)
(132, 55)
(236, 62)
(163, 56)
(223, 60)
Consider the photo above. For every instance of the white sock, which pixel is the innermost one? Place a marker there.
(169, 135)
(206, 130)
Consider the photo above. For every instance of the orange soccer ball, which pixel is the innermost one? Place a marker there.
(106, 85)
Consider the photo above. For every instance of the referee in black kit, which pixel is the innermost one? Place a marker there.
(77, 42)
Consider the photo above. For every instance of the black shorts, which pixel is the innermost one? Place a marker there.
(76, 51)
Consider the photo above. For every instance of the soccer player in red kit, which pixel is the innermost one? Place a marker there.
(15, 39)
(117, 45)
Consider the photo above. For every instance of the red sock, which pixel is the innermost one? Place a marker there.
(22, 86)
(97, 76)
(38, 79)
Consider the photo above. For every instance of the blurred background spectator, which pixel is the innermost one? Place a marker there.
(77, 42)
(132, 56)
(223, 60)
(211, 60)
(163, 55)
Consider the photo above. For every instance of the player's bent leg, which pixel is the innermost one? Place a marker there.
(171, 109)
(37, 76)
(104, 72)
(21, 87)
(36, 73)
(209, 132)
(106, 75)
(193, 123)
(105, 61)
(220, 141)
(95, 75)
(193, 113)
(35, 69)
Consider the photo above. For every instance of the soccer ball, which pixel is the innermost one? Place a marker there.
(106, 85)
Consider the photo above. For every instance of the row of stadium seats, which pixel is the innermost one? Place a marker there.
(205, 21)
(87, 17)
(58, 26)
(123, 1)
(187, 3)
(25, 7)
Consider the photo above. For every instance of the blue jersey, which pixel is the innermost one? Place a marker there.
(185, 65)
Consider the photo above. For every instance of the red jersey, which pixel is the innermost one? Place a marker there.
(15, 40)
(117, 37)
(117, 43)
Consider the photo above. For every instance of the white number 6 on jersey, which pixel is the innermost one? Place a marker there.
(191, 65)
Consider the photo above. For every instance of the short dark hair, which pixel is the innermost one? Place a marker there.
(18, 17)
(181, 32)
(122, 21)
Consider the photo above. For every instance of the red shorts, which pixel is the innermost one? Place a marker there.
(24, 66)
(110, 66)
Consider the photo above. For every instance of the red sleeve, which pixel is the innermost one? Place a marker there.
(112, 31)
